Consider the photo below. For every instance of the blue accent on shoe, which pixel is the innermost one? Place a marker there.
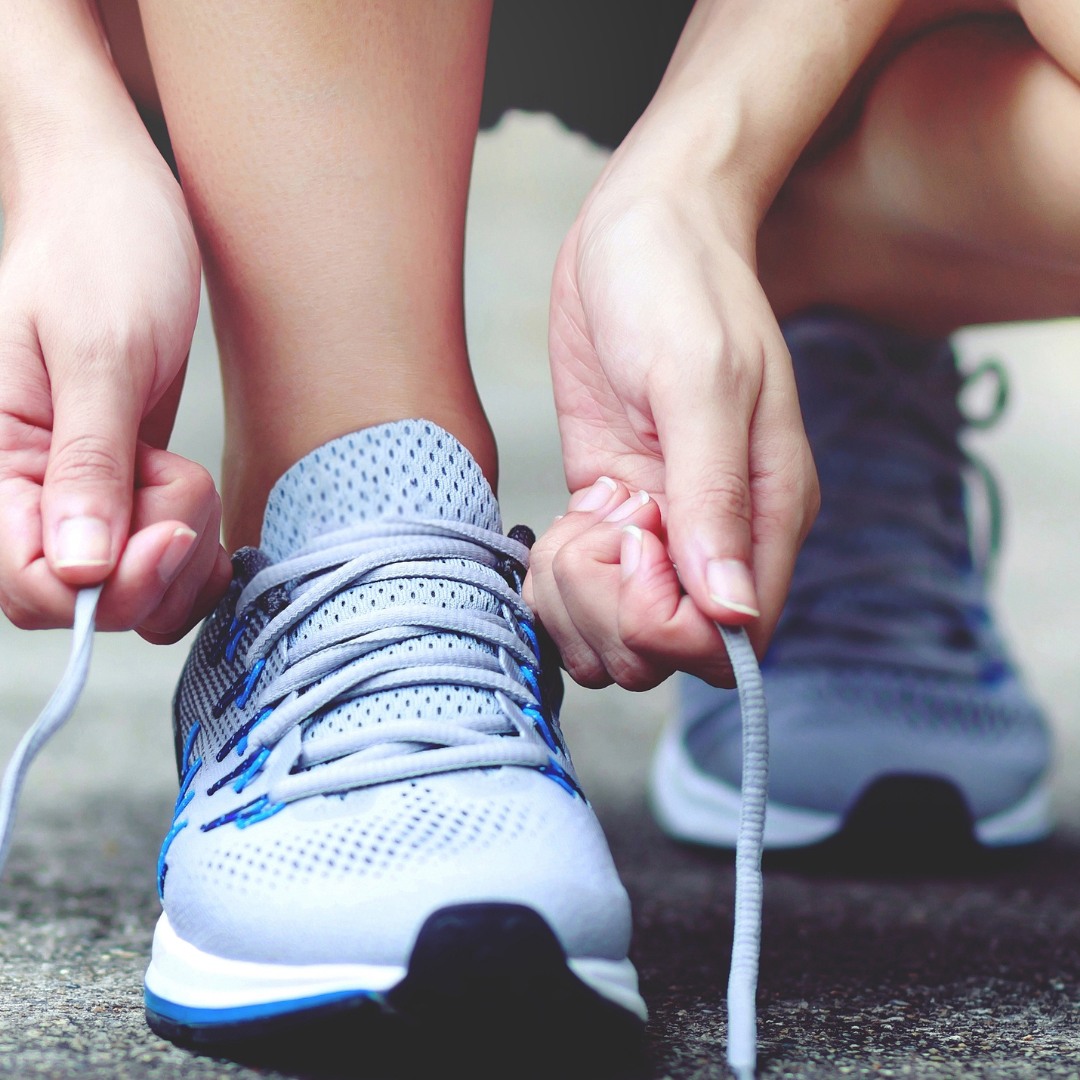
(236, 632)
(529, 675)
(249, 684)
(240, 691)
(248, 814)
(542, 727)
(243, 774)
(238, 740)
(530, 635)
(189, 743)
(210, 1018)
(183, 800)
(554, 771)
(253, 770)
(191, 768)
(162, 866)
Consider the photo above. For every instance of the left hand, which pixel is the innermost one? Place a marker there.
(670, 376)
(609, 596)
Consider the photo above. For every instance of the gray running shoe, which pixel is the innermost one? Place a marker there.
(895, 710)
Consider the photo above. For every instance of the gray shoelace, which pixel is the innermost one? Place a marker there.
(345, 659)
(746, 943)
(329, 566)
(901, 590)
(53, 717)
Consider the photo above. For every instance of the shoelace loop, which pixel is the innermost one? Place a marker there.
(348, 659)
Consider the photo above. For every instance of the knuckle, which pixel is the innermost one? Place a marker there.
(725, 494)
(19, 615)
(24, 614)
(202, 487)
(631, 672)
(566, 563)
(585, 668)
(86, 458)
(112, 342)
(787, 504)
(634, 635)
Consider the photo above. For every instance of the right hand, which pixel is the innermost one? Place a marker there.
(99, 293)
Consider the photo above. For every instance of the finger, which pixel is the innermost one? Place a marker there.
(604, 493)
(171, 484)
(652, 628)
(586, 574)
(659, 624)
(579, 659)
(87, 494)
(174, 546)
(786, 500)
(143, 574)
(157, 425)
(705, 441)
(194, 591)
(586, 507)
(203, 604)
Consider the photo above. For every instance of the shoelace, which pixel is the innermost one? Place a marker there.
(343, 660)
(327, 567)
(900, 598)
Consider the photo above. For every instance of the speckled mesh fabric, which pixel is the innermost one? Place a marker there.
(418, 471)
(415, 472)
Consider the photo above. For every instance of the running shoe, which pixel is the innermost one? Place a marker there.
(379, 826)
(896, 713)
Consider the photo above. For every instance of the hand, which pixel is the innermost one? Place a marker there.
(99, 293)
(610, 597)
(671, 376)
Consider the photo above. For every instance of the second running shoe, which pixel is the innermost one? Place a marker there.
(897, 715)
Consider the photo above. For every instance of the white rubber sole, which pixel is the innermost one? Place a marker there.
(693, 806)
(188, 986)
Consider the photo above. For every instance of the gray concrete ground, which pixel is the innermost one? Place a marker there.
(971, 972)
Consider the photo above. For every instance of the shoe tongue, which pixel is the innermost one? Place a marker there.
(404, 469)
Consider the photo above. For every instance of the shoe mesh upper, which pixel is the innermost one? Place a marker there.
(365, 864)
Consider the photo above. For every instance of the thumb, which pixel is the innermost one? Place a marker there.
(89, 480)
(706, 480)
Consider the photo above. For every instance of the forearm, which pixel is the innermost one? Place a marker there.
(58, 87)
(747, 86)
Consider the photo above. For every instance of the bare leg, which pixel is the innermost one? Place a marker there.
(956, 200)
(325, 153)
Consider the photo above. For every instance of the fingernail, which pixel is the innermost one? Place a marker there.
(596, 496)
(628, 508)
(630, 551)
(731, 586)
(82, 541)
(176, 551)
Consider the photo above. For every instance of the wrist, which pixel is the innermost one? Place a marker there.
(61, 96)
(54, 136)
(657, 165)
